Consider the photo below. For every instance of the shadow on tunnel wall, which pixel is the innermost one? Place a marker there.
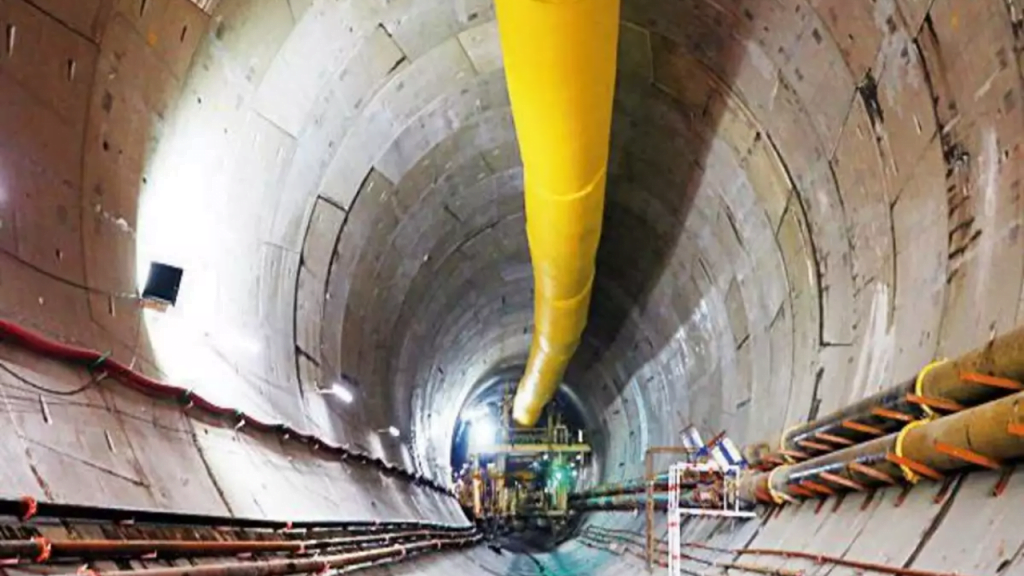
(660, 144)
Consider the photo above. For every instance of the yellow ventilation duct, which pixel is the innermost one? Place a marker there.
(560, 66)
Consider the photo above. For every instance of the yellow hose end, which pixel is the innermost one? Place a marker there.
(525, 415)
(782, 442)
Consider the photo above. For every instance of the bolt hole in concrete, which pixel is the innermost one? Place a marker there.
(142, 8)
(184, 32)
(12, 33)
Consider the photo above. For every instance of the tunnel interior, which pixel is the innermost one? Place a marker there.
(807, 201)
(481, 420)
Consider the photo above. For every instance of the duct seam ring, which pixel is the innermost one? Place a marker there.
(909, 474)
(776, 496)
(919, 384)
(782, 442)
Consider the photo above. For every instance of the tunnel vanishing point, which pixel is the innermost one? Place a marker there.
(258, 256)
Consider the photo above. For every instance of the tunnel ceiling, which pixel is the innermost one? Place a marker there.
(807, 201)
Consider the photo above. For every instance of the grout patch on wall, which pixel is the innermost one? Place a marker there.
(207, 6)
(12, 33)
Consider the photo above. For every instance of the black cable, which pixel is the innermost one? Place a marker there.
(93, 380)
(33, 402)
(58, 278)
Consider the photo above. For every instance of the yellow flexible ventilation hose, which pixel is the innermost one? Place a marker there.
(560, 66)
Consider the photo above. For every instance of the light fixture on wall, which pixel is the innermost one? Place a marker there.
(162, 285)
(339, 391)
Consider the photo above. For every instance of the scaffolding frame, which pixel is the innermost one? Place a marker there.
(722, 503)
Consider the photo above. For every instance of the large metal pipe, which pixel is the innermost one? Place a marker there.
(988, 435)
(943, 381)
(697, 497)
(893, 401)
(1002, 356)
(628, 487)
(621, 502)
(659, 483)
(560, 60)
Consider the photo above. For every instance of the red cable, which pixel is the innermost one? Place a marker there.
(821, 559)
(31, 507)
(16, 334)
(45, 549)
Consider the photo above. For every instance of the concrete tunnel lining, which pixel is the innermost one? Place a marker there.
(808, 201)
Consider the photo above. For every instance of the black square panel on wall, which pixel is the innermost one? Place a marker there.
(163, 283)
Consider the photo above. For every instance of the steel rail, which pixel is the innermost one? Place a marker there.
(29, 509)
(319, 564)
(46, 549)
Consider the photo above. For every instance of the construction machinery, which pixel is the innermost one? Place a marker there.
(522, 477)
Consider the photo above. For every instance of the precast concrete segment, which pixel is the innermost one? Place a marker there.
(625, 502)
(103, 366)
(560, 65)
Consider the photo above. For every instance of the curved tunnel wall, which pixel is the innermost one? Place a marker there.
(807, 201)
(93, 92)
